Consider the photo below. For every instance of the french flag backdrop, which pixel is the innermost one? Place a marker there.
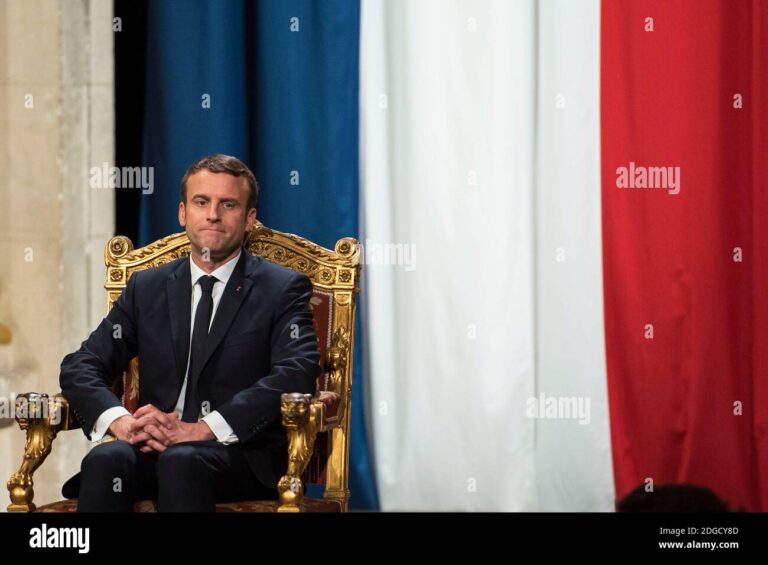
(562, 208)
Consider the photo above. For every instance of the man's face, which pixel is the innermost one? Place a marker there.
(216, 214)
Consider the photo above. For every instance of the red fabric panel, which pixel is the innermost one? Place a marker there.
(667, 99)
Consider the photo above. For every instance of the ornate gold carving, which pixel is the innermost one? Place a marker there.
(343, 298)
(121, 254)
(323, 266)
(119, 246)
(319, 264)
(302, 419)
(133, 372)
(336, 361)
(348, 247)
(41, 430)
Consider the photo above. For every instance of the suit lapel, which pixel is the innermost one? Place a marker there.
(179, 293)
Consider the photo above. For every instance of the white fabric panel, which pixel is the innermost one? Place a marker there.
(448, 104)
(451, 340)
(573, 459)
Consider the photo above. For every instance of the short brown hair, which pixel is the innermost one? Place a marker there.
(220, 163)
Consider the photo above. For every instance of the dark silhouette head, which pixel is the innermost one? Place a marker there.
(672, 498)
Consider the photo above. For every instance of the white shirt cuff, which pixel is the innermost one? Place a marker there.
(223, 432)
(103, 422)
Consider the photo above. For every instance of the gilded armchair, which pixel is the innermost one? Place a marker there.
(317, 427)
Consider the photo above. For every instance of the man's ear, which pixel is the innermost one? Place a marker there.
(250, 219)
(182, 215)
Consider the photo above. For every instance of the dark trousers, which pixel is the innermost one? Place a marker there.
(186, 477)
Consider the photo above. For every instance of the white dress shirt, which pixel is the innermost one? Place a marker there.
(215, 420)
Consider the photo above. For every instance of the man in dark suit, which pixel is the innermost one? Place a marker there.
(220, 336)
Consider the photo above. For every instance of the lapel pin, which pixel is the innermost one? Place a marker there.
(238, 288)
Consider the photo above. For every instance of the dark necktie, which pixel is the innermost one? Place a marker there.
(199, 337)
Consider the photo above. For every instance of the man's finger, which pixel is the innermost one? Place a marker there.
(157, 433)
(144, 410)
(156, 445)
(139, 437)
(164, 419)
(145, 421)
(134, 426)
(158, 418)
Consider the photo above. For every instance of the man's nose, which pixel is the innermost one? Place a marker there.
(213, 212)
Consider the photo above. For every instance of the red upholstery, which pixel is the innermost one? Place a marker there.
(323, 310)
(332, 403)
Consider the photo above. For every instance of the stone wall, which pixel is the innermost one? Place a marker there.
(56, 122)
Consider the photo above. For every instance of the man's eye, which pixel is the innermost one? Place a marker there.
(200, 202)
(229, 205)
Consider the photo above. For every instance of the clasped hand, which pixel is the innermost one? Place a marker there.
(155, 430)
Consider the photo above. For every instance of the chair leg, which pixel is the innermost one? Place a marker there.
(40, 435)
(302, 420)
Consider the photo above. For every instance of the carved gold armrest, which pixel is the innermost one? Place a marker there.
(303, 417)
(43, 417)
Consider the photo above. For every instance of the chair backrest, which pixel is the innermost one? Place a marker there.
(335, 277)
